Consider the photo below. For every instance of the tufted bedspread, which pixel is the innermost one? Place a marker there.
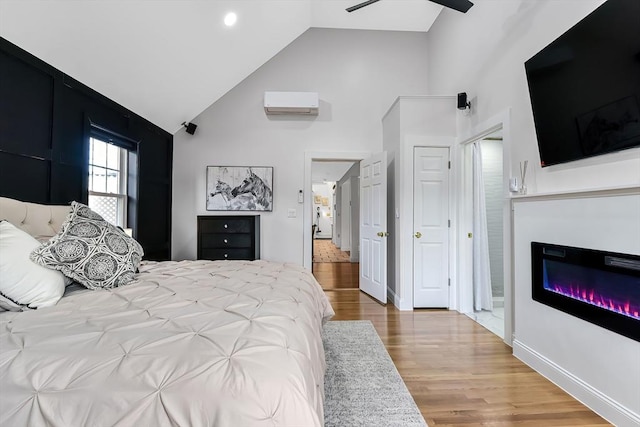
(190, 343)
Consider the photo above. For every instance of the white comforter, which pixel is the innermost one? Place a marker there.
(191, 343)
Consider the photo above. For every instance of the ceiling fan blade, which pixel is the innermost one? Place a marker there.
(459, 5)
(360, 5)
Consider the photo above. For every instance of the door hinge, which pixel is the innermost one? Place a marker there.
(449, 223)
(449, 164)
(449, 281)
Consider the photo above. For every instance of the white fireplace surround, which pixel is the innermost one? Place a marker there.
(599, 367)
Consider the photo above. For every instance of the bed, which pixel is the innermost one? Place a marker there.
(186, 343)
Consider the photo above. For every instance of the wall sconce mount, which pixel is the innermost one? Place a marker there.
(191, 127)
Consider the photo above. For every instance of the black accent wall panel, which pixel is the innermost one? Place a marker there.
(46, 119)
(24, 178)
(26, 122)
(152, 199)
(65, 187)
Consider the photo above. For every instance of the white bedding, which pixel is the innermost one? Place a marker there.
(190, 343)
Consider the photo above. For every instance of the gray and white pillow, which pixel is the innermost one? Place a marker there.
(91, 251)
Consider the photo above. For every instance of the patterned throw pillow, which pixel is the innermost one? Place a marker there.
(91, 251)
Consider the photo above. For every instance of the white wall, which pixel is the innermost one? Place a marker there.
(353, 173)
(354, 255)
(358, 74)
(391, 144)
(412, 121)
(597, 366)
(483, 52)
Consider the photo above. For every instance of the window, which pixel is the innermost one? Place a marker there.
(108, 181)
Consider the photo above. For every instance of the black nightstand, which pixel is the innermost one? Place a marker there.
(229, 237)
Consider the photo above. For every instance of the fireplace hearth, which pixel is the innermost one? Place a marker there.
(597, 286)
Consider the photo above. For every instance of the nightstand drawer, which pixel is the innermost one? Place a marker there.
(230, 254)
(221, 240)
(225, 225)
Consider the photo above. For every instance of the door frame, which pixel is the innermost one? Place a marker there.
(465, 217)
(403, 297)
(307, 207)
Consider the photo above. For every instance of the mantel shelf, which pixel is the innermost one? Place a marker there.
(572, 194)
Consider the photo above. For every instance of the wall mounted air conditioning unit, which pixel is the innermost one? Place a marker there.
(299, 103)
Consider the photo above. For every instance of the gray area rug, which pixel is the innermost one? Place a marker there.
(362, 385)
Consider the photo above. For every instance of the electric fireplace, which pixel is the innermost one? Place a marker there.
(600, 287)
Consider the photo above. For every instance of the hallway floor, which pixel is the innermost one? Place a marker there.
(337, 275)
(325, 251)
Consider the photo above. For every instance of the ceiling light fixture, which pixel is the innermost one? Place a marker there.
(230, 19)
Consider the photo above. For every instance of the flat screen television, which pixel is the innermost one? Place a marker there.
(585, 86)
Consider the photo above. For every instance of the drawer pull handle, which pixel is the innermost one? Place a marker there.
(226, 226)
(226, 241)
(226, 255)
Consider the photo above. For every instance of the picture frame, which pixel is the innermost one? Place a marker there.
(240, 188)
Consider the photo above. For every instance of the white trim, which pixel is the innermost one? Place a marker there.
(307, 207)
(502, 121)
(600, 403)
(397, 302)
(401, 97)
(577, 194)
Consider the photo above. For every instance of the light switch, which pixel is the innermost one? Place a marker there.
(292, 213)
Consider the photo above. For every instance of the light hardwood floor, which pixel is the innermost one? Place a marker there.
(459, 373)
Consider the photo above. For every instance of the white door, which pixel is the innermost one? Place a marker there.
(345, 219)
(431, 227)
(373, 226)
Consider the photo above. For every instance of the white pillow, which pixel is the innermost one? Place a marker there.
(22, 281)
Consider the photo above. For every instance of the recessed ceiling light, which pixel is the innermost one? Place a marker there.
(230, 19)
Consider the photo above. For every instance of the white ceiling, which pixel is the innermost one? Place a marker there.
(168, 60)
(322, 171)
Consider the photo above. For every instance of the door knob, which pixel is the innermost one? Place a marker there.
(418, 234)
(380, 234)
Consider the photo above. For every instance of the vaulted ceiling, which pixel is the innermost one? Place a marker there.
(168, 60)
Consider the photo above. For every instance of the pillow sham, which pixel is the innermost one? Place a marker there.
(91, 251)
(24, 283)
(7, 305)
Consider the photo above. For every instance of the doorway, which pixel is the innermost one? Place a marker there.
(335, 218)
(485, 205)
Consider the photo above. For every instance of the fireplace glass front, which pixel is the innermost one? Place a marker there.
(600, 287)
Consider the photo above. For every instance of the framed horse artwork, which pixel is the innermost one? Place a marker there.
(240, 188)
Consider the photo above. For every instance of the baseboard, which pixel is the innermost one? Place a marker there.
(391, 296)
(595, 400)
(397, 301)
